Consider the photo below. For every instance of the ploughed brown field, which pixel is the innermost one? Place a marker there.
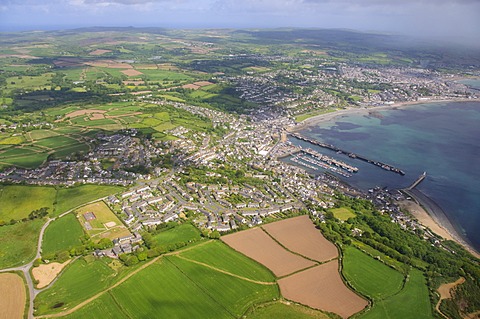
(12, 296)
(299, 234)
(304, 281)
(256, 244)
(322, 288)
(131, 72)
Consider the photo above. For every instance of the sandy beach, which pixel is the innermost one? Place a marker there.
(365, 111)
(425, 210)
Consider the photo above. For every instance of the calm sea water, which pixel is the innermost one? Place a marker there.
(442, 139)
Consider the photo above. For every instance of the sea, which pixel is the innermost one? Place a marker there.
(442, 139)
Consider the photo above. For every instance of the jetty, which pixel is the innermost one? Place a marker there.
(384, 166)
(417, 181)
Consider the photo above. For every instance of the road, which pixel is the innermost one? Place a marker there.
(32, 291)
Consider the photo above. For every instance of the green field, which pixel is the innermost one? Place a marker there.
(40, 134)
(56, 142)
(19, 243)
(412, 302)
(79, 281)
(370, 277)
(234, 294)
(18, 201)
(62, 234)
(343, 213)
(179, 234)
(104, 307)
(219, 255)
(68, 198)
(279, 310)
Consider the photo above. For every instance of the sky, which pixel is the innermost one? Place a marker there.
(440, 18)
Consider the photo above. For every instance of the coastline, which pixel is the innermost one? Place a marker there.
(427, 212)
(430, 215)
(320, 118)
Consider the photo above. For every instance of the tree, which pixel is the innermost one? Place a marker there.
(132, 260)
(215, 234)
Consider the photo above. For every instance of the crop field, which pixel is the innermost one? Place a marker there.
(29, 82)
(62, 234)
(19, 243)
(256, 244)
(370, 277)
(26, 157)
(219, 255)
(78, 282)
(179, 234)
(280, 310)
(236, 294)
(12, 290)
(17, 201)
(104, 307)
(68, 198)
(299, 235)
(12, 140)
(166, 76)
(343, 213)
(41, 134)
(412, 302)
(105, 224)
(322, 288)
(56, 142)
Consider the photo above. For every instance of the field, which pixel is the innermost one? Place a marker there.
(300, 236)
(256, 244)
(412, 302)
(105, 224)
(322, 288)
(175, 288)
(19, 201)
(62, 234)
(343, 213)
(79, 281)
(370, 277)
(68, 198)
(12, 290)
(280, 310)
(179, 234)
(46, 273)
(219, 255)
(19, 243)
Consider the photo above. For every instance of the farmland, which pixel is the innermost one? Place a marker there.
(68, 198)
(412, 302)
(19, 243)
(219, 255)
(299, 235)
(370, 277)
(12, 290)
(19, 201)
(283, 310)
(322, 288)
(81, 280)
(256, 244)
(179, 234)
(62, 234)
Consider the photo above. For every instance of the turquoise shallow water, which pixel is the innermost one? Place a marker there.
(442, 139)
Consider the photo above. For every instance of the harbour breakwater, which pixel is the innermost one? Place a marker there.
(382, 165)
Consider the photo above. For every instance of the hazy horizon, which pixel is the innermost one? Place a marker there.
(458, 19)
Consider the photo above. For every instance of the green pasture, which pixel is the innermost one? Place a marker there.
(41, 134)
(219, 255)
(39, 82)
(18, 201)
(280, 310)
(62, 234)
(370, 277)
(69, 150)
(68, 198)
(56, 142)
(105, 307)
(412, 302)
(399, 266)
(163, 291)
(179, 234)
(19, 243)
(163, 75)
(343, 213)
(234, 294)
(82, 279)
